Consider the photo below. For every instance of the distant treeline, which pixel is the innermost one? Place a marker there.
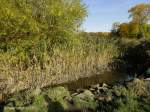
(138, 27)
(131, 30)
(96, 34)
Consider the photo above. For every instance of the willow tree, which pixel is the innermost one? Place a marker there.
(140, 15)
(55, 20)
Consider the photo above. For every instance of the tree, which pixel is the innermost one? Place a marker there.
(140, 15)
(115, 27)
(123, 30)
(57, 20)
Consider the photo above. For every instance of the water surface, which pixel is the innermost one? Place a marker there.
(107, 77)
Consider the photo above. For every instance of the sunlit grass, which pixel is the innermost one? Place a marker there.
(35, 68)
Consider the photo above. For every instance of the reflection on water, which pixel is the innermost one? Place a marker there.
(107, 77)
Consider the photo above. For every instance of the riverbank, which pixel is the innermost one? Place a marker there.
(131, 96)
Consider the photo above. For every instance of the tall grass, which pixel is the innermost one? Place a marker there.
(27, 66)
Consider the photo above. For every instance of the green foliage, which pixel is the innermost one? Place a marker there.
(131, 30)
(83, 104)
(129, 105)
(39, 100)
(134, 98)
(58, 94)
(140, 15)
(146, 104)
(40, 104)
(56, 19)
(85, 100)
(129, 102)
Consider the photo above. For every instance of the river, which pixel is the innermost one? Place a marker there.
(106, 77)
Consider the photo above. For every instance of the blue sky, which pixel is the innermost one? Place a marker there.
(103, 13)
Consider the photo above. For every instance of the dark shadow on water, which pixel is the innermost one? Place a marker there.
(53, 106)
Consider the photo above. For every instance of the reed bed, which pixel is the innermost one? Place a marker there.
(20, 72)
